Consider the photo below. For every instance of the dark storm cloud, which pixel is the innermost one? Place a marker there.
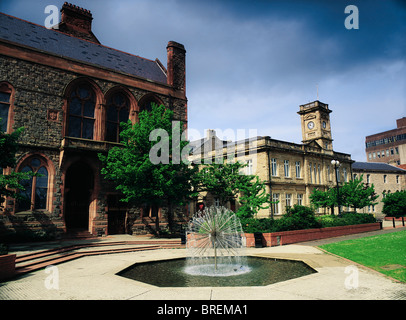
(250, 64)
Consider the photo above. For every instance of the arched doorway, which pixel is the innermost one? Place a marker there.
(79, 185)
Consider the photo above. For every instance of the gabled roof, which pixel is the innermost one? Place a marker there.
(28, 34)
(376, 166)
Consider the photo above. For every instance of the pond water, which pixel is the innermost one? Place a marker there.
(258, 272)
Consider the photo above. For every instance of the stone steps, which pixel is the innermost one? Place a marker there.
(38, 260)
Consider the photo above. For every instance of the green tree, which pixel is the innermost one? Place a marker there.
(253, 198)
(10, 183)
(394, 204)
(147, 168)
(357, 194)
(324, 199)
(226, 182)
(354, 193)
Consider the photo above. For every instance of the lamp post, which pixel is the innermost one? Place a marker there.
(336, 165)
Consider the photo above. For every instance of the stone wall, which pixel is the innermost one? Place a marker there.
(39, 105)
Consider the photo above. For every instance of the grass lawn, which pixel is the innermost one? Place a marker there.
(385, 253)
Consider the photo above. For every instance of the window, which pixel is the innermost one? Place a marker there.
(385, 178)
(217, 202)
(286, 167)
(5, 98)
(275, 203)
(315, 174)
(319, 172)
(370, 156)
(297, 165)
(151, 211)
(397, 179)
(249, 167)
(391, 151)
(288, 200)
(396, 150)
(345, 174)
(81, 118)
(274, 167)
(300, 199)
(147, 102)
(310, 170)
(118, 107)
(36, 188)
(329, 173)
(368, 178)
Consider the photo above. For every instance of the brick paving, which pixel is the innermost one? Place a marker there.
(95, 277)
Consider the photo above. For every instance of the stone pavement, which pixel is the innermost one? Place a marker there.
(94, 277)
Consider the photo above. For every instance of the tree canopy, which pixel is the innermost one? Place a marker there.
(394, 204)
(226, 182)
(136, 169)
(354, 194)
(10, 183)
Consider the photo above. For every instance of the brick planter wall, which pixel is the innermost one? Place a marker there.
(288, 237)
(396, 219)
(7, 266)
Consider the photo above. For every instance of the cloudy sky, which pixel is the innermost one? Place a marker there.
(250, 64)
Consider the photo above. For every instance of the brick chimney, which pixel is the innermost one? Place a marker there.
(77, 22)
(176, 65)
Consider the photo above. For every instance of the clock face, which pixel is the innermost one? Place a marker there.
(324, 124)
(310, 125)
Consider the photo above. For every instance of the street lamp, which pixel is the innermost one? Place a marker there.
(336, 165)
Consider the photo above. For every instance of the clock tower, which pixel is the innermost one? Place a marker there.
(315, 119)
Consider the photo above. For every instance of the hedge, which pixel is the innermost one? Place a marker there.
(301, 217)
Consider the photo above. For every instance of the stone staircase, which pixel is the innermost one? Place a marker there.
(78, 234)
(40, 259)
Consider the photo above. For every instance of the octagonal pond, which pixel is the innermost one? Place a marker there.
(173, 273)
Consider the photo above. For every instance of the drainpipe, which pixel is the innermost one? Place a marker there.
(269, 179)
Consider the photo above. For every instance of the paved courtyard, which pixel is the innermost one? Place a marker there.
(94, 277)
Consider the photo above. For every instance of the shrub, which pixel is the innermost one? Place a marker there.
(297, 218)
(357, 218)
(3, 249)
(346, 219)
(301, 217)
(252, 225)
(394, 204)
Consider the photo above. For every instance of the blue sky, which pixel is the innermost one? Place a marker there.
(250, 64)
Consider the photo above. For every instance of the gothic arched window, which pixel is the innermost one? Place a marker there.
(81, 112)
(118, 110)
(35, 191)
(5, 106)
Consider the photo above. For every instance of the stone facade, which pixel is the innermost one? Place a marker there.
(384, 177)
(42, 86)
(290, 171)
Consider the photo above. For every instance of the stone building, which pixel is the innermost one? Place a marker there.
(385, 178)
(290, 171)
(388, 146)
(70, 92)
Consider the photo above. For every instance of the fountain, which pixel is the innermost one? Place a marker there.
(215, 257)
(215, 243)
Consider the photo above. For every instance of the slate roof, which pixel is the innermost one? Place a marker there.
(25, 33)
(376, 166)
